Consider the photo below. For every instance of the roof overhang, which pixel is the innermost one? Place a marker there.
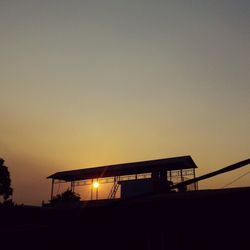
(167, 164)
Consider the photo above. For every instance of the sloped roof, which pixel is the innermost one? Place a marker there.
(174, 163)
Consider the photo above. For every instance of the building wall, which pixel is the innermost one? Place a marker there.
(132, 188)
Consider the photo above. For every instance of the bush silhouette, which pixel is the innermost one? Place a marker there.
(66, 199)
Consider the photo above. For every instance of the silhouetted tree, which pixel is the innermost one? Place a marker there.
(67, 199)
(5, 181)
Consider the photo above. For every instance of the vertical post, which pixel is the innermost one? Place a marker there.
(196, 183)
(181, 176)
(91, 194)
(52, 189)
(72, 186)
(97, 191)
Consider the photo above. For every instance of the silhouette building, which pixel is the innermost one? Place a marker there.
(133, 179)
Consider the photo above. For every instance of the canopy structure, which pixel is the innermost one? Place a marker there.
(175, 170)
(167, 164)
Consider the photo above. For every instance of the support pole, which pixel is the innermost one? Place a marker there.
(52, 189)
(91, 194)
(96, 196)
(96, 193)
(196, 183)
(181, 176)
(72, 186)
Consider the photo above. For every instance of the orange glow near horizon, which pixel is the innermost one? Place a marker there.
(83, 85)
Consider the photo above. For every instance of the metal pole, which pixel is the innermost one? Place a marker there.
(72, 186)
(181, 175)
(52, 189)
(97, 190)
(196, 183)
(91, 197)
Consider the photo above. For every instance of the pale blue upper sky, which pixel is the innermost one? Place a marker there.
(87, 83)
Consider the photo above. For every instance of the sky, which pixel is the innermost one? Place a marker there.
(90, 83)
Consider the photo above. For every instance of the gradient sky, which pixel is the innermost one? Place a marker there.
(88, 83)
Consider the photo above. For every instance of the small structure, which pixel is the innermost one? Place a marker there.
(134, 178)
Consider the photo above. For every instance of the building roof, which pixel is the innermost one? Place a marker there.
(174, 163)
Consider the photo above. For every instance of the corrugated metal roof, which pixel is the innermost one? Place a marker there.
(174, 163)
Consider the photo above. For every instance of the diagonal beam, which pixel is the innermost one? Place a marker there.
(209, 175)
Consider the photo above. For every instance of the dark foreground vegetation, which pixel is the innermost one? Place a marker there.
(202, 220)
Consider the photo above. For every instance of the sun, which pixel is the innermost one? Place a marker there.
(96, 184)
